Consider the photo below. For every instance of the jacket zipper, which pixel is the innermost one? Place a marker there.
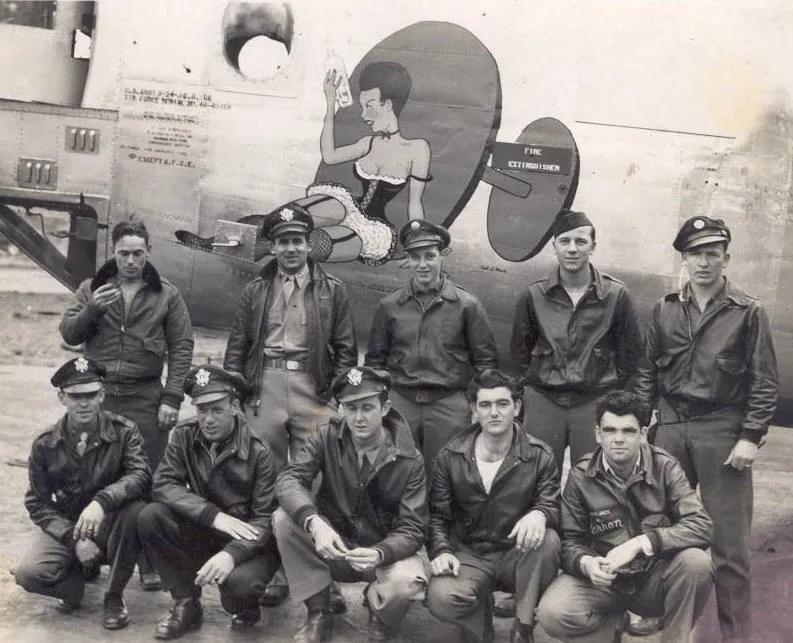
(123, 332)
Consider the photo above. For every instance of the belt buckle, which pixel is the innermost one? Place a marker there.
(292, 365)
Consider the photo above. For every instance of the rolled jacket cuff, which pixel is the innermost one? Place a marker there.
(753, 435)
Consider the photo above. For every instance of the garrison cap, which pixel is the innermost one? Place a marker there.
(79, 375)
(697, 231)
(567, 220)
(291, 217)
(420, 232)
(209, 383)
(359, 382)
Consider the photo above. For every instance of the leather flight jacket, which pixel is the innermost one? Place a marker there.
(238, 481)
(657, 500)
(725, 362)
(331, 335)
(113, 470)
(575, 353)
(462, 512)
(387, 510)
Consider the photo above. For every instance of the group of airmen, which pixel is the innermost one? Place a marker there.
(431, 473)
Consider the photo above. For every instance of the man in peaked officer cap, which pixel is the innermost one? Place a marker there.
(433, 336)
(368, 519)
(210, 522)
(88, 478)
(709, 368)
(289, 218)
(292, 334)
(700, 231)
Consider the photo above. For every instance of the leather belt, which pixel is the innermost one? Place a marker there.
(286, 364)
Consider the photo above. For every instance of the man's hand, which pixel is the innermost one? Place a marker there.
(234, 527)
(742, 455)
(167, 416)
(87, 552)
(216, 570)
(362, 559)
(105, 296)
(529, 531)
(327, 541)
(623, 554)
(445, 564)
(597, 570)
(89, 522)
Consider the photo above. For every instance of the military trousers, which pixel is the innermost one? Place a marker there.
(462, 599)
(392, 589)
(573, 609)
(559, 426)
(179, 548)
(289, 411)
(434, 423)
(52, 569)
(702, 445)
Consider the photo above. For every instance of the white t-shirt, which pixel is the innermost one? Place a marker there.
(488, 471)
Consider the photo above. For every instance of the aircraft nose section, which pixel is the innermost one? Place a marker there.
(533, 179)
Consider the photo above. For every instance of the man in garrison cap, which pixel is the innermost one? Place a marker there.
(88, 478)
(292, 334)
(709, 369)
(433, 336)
(368, 519)
(574, 337)
(210, 519)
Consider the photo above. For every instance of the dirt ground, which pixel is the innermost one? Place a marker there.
(29, 349)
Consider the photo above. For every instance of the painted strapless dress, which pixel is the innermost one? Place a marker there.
(365, 214)
(336, 209)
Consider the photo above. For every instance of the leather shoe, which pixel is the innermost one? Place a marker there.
(116, 615)
(505, 608)
(65, 607)
(338, 605)
(150, 582)
(378, 631)
(318, 627)
(640, 626)
(521, 633)
(245, 620)
(274, 595)
(186, 614)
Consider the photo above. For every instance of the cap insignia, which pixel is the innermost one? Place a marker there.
(202, 377)
(415, 225)
(698, 224)
(354, 377)
(287, 214)
(81, 365)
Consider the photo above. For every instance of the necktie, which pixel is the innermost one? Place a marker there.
(364, 468)
(289, 288)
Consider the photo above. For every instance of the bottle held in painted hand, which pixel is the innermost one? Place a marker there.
(343, 94)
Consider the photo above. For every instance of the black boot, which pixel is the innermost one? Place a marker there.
(186, 614)
(116, 616)
(319, 620)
